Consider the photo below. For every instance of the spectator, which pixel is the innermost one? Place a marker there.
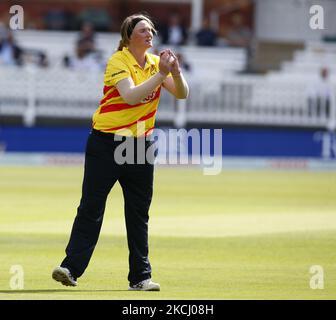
(320, 95)
(10, 53)
(82, 60)
(174, 33)
(206, 36)
(87, 56)
(36, 57)
(42, 60)
(13, 55)
(86, 38)
(239, 35)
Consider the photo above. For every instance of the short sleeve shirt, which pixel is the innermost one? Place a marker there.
(114, 115)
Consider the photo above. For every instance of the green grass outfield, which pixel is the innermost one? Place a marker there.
(238, 235)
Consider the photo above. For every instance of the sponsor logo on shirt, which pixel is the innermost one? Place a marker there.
(149, 98)
(115, 74)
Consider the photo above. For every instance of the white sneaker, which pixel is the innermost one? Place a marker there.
(63, 275)
(145, 285)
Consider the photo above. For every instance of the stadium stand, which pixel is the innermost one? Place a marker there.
(219, 92)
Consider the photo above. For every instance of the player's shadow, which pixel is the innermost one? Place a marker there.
(56, 291)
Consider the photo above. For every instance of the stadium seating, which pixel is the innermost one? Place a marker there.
(308, 62)
(58, 44)
(219, 94)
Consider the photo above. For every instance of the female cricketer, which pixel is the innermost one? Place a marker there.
(132, 85)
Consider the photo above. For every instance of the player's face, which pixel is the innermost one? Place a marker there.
(142, 35)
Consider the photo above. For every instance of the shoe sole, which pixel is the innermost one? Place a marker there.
(61, 276)
(136, 289)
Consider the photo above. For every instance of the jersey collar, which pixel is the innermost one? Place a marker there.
(149, 60)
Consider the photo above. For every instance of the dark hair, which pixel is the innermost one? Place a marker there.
(128, 25)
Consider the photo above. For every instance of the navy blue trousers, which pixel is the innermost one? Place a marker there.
(100, 174)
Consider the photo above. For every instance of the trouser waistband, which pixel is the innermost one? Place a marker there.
(105, 134)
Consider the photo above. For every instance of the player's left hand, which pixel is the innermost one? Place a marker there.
(176, 70)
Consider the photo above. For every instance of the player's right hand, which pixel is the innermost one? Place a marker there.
(166, 62)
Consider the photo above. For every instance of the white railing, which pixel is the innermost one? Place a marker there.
(258, 100)
(255, 100)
